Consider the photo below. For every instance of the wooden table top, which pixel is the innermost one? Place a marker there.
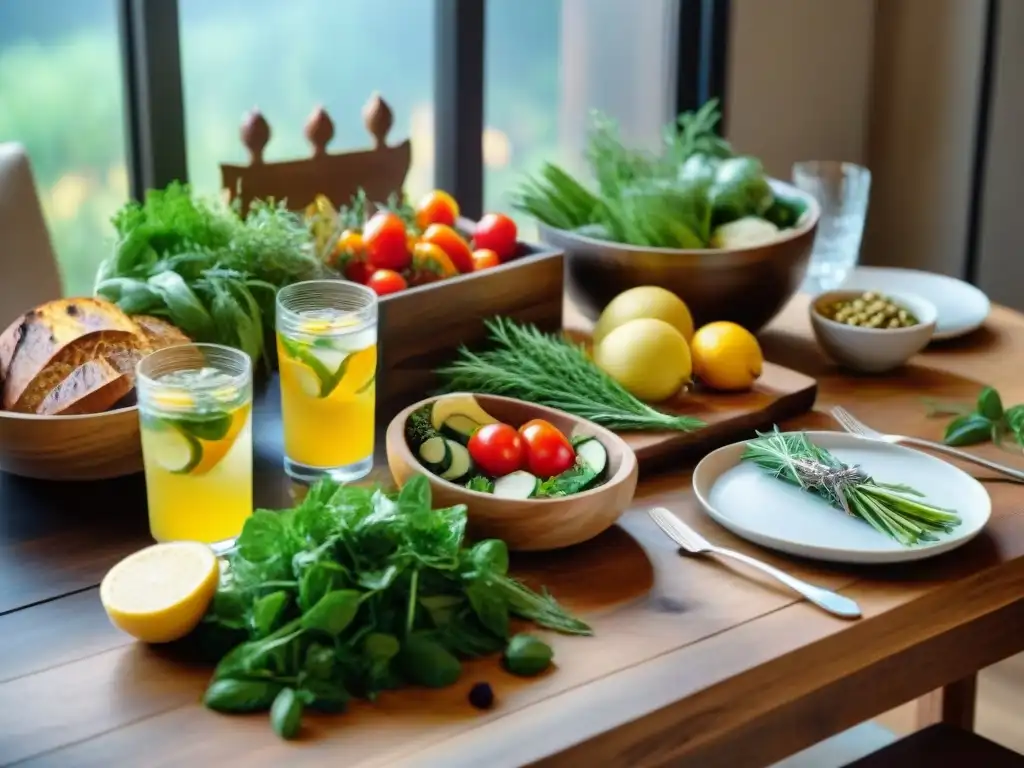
(694, 662)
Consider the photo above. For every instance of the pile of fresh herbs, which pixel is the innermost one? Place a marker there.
(524, 363)
(892, 509)
(356, 591)
(680, 198)
(985, 420)
(206, 267)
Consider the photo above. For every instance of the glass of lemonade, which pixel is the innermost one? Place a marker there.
(327, 353)
(195, 408)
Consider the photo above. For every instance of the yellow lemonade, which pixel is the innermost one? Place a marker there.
(196, 429)
(327, 356)
(328, 395)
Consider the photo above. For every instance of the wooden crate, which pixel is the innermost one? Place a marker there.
(421, 328)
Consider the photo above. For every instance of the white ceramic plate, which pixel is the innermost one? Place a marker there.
(777, 515)
(961, 307)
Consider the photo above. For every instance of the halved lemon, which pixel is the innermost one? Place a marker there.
(159, 594)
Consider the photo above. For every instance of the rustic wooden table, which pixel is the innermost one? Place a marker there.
(693, 663)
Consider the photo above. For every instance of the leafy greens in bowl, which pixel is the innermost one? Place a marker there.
(697, 194)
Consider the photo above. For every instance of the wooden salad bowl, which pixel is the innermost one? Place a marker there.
(94, 446)
(527, 524)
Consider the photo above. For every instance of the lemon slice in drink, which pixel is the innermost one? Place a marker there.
(160, 593)
(360, 374)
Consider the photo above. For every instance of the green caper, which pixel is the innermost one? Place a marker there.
(869, 310)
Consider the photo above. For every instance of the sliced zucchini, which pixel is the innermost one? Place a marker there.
(459, 427)
(593, 454)
(463, 405)
(461, 465)
(436, 455)
(516, 485)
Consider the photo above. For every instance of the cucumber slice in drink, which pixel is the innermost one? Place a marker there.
(325, 366)
(173, 449)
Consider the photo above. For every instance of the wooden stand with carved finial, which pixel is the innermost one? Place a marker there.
(381, 170)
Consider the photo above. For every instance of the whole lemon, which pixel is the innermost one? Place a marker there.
(726, 356)
(648, 357)
(645, 301)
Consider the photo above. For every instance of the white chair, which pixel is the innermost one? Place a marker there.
(28, 268)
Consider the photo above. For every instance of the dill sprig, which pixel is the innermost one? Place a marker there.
(545, 369)
(893, 509)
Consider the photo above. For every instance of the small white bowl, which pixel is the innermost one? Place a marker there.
(873, 350)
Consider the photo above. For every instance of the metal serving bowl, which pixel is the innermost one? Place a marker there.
(746, 285)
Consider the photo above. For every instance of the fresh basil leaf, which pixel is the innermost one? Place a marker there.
(324, 695)
(286, 714)
(380, 647)
(321, 578)
(490, 556)
(415, 495)
(267, 611)
(527, 655)
(490, 607)
(427, 663)
(990, 405)
(333, 612)
(319, 663)
(262, 536)
(968, 430)
(231, 695)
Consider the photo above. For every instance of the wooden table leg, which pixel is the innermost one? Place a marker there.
(953, 704)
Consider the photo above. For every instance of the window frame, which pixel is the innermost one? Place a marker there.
(154, 97)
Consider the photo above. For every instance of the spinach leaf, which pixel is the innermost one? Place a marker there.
(267, 611)
(490, 556)
(231, 695)
(428, 663)
(333, 612)
(527, 655)
(990, 405)
(286, 714)
(489, 606)
(968, 430)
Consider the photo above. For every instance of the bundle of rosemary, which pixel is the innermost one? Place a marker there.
(549, 370)
(889, 508)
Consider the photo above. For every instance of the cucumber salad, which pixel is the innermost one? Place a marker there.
(456, 439)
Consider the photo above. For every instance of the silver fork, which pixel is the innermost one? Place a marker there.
(856, 427)
(695, 544)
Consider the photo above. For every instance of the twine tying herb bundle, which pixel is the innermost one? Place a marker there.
(893, 509)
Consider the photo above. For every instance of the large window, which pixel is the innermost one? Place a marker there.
(287, 58)
(528, 71)
(61, 97)
(548, 64)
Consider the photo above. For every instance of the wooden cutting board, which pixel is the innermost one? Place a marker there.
(779, 394)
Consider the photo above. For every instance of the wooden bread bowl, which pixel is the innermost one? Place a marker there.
(67, 377)
(527, 524)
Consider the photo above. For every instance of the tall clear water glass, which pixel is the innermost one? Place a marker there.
(842, 190)
(327, 353)
(195, 409)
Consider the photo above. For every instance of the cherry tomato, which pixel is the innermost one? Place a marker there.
(548, 451)
(497, 449)
(437, 207)
(358, 270)
(432, 258)
(385, 240)
(451, 242)
(349, 245)
(484, 258)
(497, 232)
(385, 281)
